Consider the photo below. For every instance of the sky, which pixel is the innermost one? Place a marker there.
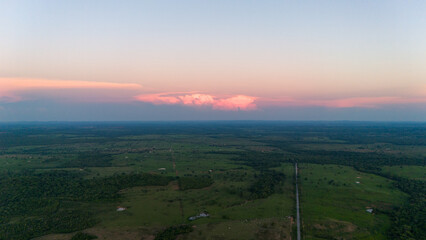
(212, 60)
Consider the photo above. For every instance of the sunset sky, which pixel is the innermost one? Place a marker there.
(212, 60)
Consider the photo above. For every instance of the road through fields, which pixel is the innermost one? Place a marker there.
(297, 206)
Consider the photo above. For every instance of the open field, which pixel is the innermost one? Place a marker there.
(335, 199)
(411, 172)
(59, 179)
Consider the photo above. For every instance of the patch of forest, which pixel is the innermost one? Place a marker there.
(194, 182)
(35, 204)
(265, 184)
(409, 221)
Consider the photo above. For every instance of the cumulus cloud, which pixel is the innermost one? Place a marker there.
(239, 102)
(242, 102)
(197, 99)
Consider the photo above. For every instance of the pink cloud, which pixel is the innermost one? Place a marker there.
(242, 102)
(197, 99)
(17, 89)
(239, 102)
(158, 99)
(364, 102)
(20, 83)
(360, 102)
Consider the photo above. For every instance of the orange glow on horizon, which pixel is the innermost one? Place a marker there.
(19, 89)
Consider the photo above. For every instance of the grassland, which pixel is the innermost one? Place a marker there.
(236, 157)
(335, 199)
(411, 172)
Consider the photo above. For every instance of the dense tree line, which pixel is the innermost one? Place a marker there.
(194, 182)
(62, 221)
(27, 134)
(260, 160)
(265, 184)
(409, 221)
(356, 159)
(50, 202)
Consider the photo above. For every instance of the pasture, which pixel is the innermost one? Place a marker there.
(61, 179)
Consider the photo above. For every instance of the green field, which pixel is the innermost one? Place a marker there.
(335, 199)
(58, 180)
(412, 172)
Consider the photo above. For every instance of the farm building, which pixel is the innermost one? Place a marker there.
(201, 215)
(121, 209)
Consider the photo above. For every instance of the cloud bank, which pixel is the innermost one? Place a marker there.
(18, 89)
(234, 103)
(354, 102)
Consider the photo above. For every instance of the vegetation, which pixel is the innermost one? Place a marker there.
(83, 236)
(334, 200)
(172, 233)
(265, 184)
(194, 182)
(67, 177)
(409, 221)
(53, 201)
(90, 159)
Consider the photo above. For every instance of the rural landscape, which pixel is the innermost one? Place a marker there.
(212, 180)
(212, 120)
